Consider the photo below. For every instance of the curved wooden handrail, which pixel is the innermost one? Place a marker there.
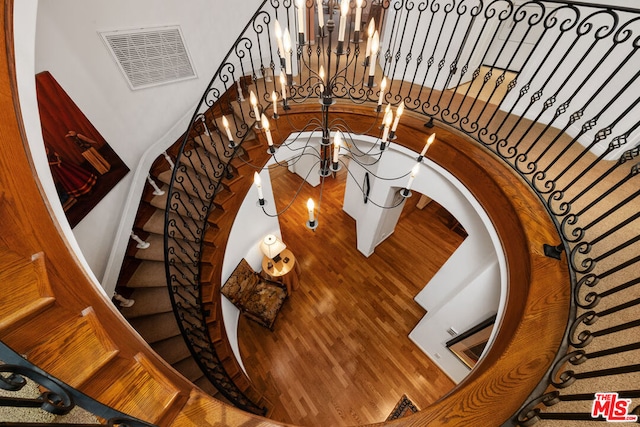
(537, 301)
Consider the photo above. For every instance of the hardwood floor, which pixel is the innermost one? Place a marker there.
(340, 353)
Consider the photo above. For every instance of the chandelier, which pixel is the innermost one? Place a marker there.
(338, 73)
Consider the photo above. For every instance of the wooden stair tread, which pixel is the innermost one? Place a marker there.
(201, 410)
(75, 350)
(30, 290)
(136, 388)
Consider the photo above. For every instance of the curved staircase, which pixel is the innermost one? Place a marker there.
(62, 322)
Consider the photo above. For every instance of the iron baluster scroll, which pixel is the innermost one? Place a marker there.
(56, 397)
(548, 87)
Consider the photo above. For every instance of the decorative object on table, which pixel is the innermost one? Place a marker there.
(271, 247)
(403, 408)
(469, 345)
(285, 270)
(68, 133)
(257, 298)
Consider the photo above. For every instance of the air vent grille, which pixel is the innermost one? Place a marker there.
(150, 56)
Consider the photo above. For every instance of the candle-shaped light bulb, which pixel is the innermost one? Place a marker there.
(286, 41)
(370, 29)
(225, 124)
(344, 10)
(300, 6)
(337, 142)
(258, 182)
(383, 86)
(311, 208)
(428, 144)
(283, 86)
(358, 15)
(399, 112)
(412, 176)
(320, 14)
(321, 74)
(274, 101)
(278, 32)
(375, 44)
(265, 126)
(254, 103)
(265, 122)
(388, 117)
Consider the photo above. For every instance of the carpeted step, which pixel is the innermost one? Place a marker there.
(184, 203)
(189, 368)
(172, 349)
(148, 301)
(205, 163)
(191, 182)
(181, 253)
(156, 327)
(206, 386)
(149, 274)
(181, 227)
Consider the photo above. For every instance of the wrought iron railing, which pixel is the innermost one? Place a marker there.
(549, 87)
(56, 397)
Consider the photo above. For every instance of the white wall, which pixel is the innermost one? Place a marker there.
(24, 31)
(244, 242)
(69, 46)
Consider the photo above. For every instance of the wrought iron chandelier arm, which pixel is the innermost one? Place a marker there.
(364, 165)
(295, 196)
(369, 200)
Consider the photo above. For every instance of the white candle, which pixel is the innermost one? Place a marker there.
(286, 40)
(225, 123)
(278, 31)
(300, 6)
(337, 142)
(375, 43)
(399, 112)
(383, 86)
(387, 123)
(414, 172)
(428, 144)
(310, 208)
(274, 99)
(321, 74)
(254, 103)
(370, 30)
(344, 9)
(258, 182)
(320, 14)
(265, 126)
(283, 86)
(358, 14)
